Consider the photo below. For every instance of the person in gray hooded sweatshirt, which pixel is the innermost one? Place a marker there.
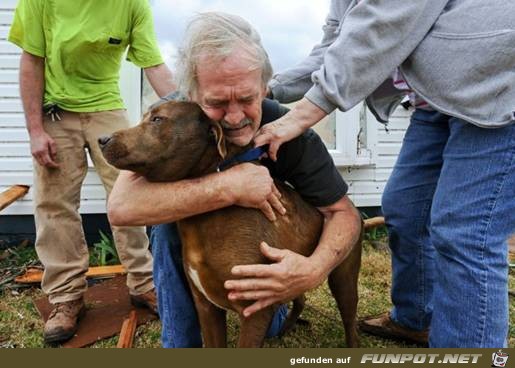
(450, 201)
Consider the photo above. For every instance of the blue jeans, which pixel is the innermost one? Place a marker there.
(180, 327)
(450, 209)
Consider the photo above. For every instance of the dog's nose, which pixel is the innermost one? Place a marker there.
(102, 141)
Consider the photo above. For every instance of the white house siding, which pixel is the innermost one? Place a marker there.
(366, 183)
(15, 158)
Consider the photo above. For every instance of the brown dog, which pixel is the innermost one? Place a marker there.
(175, 141)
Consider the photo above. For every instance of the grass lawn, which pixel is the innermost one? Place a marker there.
(21, 326)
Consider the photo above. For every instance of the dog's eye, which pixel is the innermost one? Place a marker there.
(157, 119)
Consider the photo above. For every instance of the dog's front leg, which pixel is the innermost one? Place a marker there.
(213, 323)
(253, 329)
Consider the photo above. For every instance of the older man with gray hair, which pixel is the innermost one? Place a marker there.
(225, 69)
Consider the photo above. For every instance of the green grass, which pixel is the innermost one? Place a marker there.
(103, 252)
(21, 326)
(19, 256)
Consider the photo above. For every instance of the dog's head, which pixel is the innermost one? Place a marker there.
(171, 142)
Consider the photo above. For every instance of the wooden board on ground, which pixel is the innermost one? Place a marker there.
(128, 330)
(108, 305)
(373, 222)
(35, 275)
(12, 194)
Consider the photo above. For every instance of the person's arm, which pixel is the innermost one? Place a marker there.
(144, 50)
(374, 38)
(136, 201)
(161, 79)
(292, 274)
(291, 84)
(32, 85)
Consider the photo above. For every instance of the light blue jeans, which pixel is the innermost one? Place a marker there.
(180, 327)
(450, 209)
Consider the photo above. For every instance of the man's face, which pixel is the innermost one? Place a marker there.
(231, 91)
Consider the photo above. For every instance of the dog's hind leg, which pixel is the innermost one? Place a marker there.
(343, 282)
(213, 323)
(253, 329)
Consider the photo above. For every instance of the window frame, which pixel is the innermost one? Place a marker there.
(356, 137)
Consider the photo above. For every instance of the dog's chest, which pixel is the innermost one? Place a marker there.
(198, 265)
(199, 285)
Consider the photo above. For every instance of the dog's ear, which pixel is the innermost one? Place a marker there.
(217, 132)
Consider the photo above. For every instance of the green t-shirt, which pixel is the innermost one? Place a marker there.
(83, 43)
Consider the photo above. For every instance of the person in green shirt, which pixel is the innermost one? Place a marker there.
(69, 84)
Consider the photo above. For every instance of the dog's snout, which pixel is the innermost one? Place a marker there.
(102, 141)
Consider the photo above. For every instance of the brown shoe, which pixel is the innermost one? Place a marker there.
(62, 321)
(146, 300)
(382, 325)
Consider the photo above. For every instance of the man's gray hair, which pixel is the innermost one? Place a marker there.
(217, 35)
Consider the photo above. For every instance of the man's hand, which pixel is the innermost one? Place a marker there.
(304, 115)
(291, 275)
(254, 188)
(43, 149)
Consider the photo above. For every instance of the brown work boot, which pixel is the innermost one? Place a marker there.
(62, 321)
(382, 325)
(146, 300)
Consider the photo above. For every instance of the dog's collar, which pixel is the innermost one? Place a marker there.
(252, 154)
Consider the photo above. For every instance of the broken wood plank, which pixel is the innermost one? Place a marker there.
(103, 271)
(128, 331)
(374, 222)
(35, 275)
(12, 194)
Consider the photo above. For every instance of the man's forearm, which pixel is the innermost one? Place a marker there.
(161, 79)
(32, 84)
(342, 229)
(135, 201)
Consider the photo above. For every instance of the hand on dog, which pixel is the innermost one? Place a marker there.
(277, 133)
(291, 275)
(43, 149)
(255, 188)
(304, 115)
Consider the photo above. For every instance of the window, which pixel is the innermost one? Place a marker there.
(350, 136)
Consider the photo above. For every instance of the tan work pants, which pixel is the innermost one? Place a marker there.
(60, 241)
